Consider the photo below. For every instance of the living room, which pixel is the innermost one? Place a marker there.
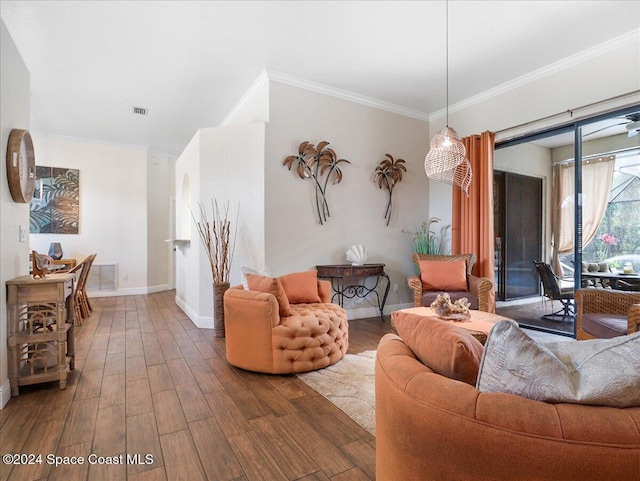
(132, 192)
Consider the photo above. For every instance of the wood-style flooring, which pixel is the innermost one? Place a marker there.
(148, 382)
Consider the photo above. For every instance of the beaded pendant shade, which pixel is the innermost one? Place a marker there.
(447, 160)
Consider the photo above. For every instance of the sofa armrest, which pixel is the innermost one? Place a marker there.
(415, 284)
(249, 318)
(480, 287)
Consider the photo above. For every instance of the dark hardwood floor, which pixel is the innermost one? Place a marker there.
(149, 383)
(529, 314)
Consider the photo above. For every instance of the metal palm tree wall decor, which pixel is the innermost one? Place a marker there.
(315, 163)
(387, 175)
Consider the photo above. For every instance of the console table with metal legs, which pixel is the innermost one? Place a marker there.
(341, 274)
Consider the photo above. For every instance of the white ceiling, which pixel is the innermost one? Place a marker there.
(189, 62)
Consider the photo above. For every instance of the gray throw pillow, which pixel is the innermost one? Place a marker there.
(602, 372)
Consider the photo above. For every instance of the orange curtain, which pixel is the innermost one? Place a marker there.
(472, 222)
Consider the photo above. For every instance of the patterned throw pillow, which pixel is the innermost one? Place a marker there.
(603, 372)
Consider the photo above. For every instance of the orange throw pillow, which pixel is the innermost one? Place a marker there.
(441, 346)
(301, 287)
(270, 285)
(443, 275)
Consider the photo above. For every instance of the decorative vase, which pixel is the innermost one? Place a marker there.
(218, 308)
(55, 251)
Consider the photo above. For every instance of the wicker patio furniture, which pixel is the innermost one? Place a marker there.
(606, 313)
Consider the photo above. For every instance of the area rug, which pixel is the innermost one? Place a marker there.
(350, 385)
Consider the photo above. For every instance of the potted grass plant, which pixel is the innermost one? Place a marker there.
(425, 240)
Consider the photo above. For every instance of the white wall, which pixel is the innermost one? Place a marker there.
(363, 135)
(225, 164)
(160, 191)
(187, 187)
(14, 255)
(113, 205)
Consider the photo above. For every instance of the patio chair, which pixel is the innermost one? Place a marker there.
(553, 290)
(606, 313)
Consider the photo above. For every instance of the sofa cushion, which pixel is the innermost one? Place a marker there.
(441, 346)
(443, 275)
(597, 372)
(605, 326)
(429, 296)
(301, 287)
(248, 270)
(270, 285)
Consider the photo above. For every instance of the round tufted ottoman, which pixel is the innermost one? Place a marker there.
(315, 336)
(258, 339)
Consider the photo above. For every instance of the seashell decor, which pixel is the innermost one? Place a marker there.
(357, 255)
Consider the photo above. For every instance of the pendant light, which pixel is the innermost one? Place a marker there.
(447, 160)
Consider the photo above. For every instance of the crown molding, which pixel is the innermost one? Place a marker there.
(269, 75)
(345, 95)
(246, 98)
(605, 47)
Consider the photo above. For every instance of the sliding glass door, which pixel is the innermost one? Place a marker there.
(590, 206)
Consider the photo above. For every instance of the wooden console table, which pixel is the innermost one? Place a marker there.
(337, 273)
(40, 329)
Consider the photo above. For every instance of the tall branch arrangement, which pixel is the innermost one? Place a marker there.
(215, 235)
(387, 175)
(315, 163)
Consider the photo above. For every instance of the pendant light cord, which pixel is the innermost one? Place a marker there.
(447, 54)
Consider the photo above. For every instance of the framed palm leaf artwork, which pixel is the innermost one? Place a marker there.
(55, 207)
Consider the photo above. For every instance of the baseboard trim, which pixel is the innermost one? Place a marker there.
(366, 312)
(132, 291)
(352, 314)
(5, 393)
(198, 321)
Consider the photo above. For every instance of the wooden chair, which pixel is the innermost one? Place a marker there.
(77, 270)
(605, 313)
(81, 293)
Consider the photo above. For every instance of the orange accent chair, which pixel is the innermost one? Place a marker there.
(284, 325)
(449, 275)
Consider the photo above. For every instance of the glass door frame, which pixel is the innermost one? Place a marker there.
(576, 128)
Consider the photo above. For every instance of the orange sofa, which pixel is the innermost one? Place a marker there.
(312, 335)
(430, 427)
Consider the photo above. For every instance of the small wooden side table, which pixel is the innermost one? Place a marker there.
(40, 329)
(339, 274)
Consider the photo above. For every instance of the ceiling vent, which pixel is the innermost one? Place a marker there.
(140, 111)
